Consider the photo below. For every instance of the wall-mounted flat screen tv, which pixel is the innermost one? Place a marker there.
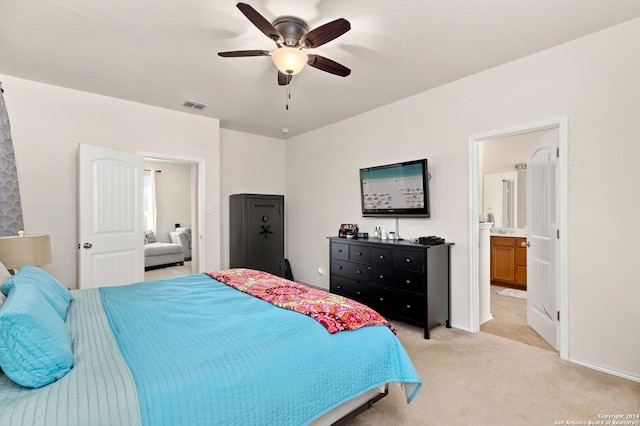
(400, 189)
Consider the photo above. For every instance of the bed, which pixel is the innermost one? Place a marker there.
(201, 349)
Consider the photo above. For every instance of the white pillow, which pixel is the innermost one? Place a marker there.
(4, 275)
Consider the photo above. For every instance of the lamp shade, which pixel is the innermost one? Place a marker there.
(289, 60)
(32, 249)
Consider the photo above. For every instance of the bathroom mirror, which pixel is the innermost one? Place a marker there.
(505, 195)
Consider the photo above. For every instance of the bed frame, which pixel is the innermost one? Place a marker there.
(352, 408)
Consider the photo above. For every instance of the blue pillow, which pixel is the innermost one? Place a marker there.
(53, 291)
(35, 348)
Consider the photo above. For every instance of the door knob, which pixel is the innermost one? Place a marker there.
(525, 244)
(87, 245)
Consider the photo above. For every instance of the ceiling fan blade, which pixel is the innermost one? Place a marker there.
(242, 53)
(261, 22)
(327, 65)
(284, 79)
(325, 33)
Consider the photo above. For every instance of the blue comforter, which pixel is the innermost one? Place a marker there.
(202, 353)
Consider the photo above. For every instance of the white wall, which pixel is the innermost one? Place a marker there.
(48, 123)
(594, 81)
(253, 165)
(173, 196)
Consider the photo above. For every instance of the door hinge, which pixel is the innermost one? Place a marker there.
(558, 152)
(558, 315)
(558, 234)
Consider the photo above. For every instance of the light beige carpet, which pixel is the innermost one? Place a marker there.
(482, 379)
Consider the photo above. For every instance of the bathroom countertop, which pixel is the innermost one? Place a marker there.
(509, 232)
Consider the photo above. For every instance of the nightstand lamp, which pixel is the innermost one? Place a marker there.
(34, 250)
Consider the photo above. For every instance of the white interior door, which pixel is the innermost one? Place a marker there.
(111, 240)
(542, 241)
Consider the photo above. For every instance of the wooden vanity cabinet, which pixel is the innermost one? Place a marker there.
(509, 262)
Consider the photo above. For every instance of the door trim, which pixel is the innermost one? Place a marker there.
(200, 210)
(562, 217)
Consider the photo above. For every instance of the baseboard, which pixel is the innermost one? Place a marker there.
(311, 285)
(461, 327)
(604, 369)
(485, 319)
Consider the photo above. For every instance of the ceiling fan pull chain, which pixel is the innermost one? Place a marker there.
(288, 92)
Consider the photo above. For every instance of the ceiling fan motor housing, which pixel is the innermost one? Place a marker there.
(291, 29)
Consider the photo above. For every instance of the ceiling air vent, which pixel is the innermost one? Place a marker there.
(194, 104)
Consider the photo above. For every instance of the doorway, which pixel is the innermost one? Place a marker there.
(190, 173)
(560, 257)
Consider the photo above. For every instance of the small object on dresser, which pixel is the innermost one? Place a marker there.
(363, 235)
(431, 240)
(348, 230)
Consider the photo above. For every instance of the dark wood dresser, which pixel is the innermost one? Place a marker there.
(399, 279)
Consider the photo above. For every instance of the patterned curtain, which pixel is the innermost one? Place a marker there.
(10, 207)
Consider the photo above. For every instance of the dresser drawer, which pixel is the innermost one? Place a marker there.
(382, 256)
(403, 280)
(349, 288)
(412, 281)
(360, 254)
(380, 299)
(410, 306)
(398, 304)
(410, 260)
(351, 270)
(340, 251)
(385, 276)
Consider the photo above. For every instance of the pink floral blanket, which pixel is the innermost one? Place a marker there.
(335, 313)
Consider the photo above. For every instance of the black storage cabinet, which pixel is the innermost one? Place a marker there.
(256, 231)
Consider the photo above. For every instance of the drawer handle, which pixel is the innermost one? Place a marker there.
(339, 267)
(338, 286)
(408, 281)
(381, 257)
(357, 292)
(340, 251)
(408, 260)
(382, 299)
(381, 276)
(359, 254)
(408, 306)
(358, 272)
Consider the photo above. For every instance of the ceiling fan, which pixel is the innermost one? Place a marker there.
(291, 35)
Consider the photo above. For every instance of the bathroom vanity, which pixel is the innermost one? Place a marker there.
(509, 261)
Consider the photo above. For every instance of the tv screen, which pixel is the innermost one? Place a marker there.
(400, 189)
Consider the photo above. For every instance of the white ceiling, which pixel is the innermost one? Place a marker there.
(161, 52)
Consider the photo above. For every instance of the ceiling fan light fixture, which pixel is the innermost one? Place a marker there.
(289, 60)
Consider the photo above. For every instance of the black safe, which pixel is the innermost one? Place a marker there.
(256, 225)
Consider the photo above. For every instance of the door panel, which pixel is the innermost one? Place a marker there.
(265, 224)
(111, 243)
(541, 254)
